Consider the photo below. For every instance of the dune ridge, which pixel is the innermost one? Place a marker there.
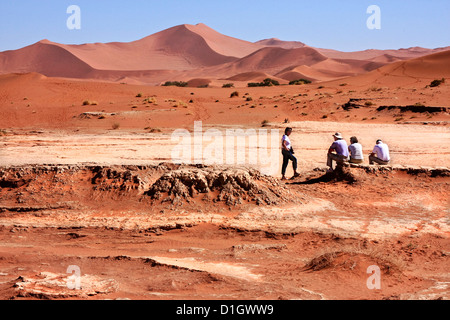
(187, 52)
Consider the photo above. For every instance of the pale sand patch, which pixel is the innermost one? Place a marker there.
(322, 216)
(413, 145)
(221, 268)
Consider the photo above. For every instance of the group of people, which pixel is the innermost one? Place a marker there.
(339, 151)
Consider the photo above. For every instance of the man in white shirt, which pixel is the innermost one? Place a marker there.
(380, 154)
(341, 148)
(288, 154)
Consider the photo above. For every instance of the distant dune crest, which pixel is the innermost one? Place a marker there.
(189, 52)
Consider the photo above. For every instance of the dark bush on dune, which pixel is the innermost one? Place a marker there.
(437, 83)
(266, 83)
(299, 82)
(175, 84)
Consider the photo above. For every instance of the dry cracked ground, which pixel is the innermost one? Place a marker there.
(207, 232)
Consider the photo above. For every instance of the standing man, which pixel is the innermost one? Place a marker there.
(288, 154)
(380, 154)
(340, 148)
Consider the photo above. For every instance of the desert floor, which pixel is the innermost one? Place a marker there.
(75, 178)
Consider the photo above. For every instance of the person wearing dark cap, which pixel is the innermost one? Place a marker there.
(288, 154)
(338, 151)
(380, 154)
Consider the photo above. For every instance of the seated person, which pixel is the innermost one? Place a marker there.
(341, 148)
(380, 154)
(356, 152)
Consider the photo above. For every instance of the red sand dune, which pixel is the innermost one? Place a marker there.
(255, 76)
(223, 44)
(186, 52)
(423, 69)
(403, 54)
(309, 73)
(249, 76)
(275, 59)
(274, 42)
(430, 66)
(329, 69)
(199, 82)
(177, 48)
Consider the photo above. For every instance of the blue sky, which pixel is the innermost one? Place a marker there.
(329, 24)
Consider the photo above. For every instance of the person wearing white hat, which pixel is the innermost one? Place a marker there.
(380, 154)
(338, 151)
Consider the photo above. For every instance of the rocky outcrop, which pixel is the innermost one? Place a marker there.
(31, 187)
(231, 186)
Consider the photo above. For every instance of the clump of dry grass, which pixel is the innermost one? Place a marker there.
(321, 261)
(153, 130)
(326, 258)
(90, 103)
(151, 100)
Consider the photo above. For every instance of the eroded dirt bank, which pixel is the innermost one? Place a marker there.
(194, 232)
